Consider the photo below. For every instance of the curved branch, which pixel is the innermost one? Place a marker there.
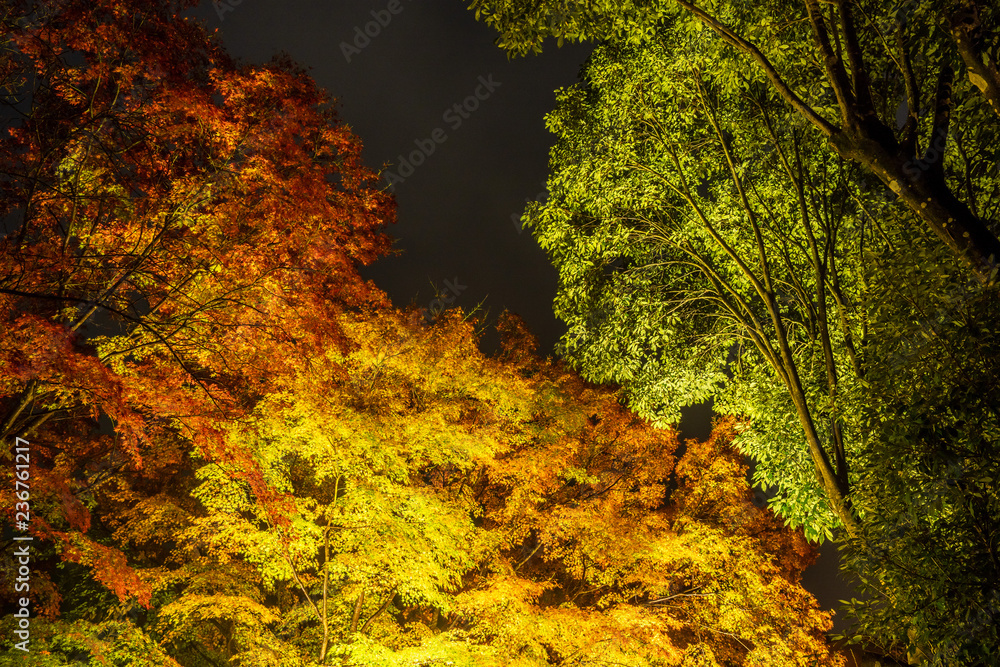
(789, 95)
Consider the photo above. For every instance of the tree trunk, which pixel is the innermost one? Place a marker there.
(354, 619)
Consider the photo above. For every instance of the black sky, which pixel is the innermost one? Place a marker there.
(396, 84)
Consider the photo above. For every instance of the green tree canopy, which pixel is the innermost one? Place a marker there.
(875, 80)
(705, 249)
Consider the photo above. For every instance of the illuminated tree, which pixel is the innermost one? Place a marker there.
(860, 77)
(710, 245)
(243, 455)
(181, 234)
(443, 505)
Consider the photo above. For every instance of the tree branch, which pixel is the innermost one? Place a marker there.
(910, 138)
(385, 605)
(984, 75)
(727, 33)
(862, 87)
(834, 66)
(934, 157)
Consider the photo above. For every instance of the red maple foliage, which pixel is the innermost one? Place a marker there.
(180, 234)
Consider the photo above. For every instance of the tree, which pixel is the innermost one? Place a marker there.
(927, 482)
(242, 454)
(180, 233)
(448, 506)
(850, 80)
(707, 246)
(603, 566)
(441, 505)
(682, 259)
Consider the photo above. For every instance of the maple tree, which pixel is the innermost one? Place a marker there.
(179, 233)
(439, 505)
(446, 506)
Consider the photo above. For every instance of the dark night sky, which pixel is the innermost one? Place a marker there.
(455, 210)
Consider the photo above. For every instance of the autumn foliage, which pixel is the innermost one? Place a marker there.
(180, 233)
(242, 454)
